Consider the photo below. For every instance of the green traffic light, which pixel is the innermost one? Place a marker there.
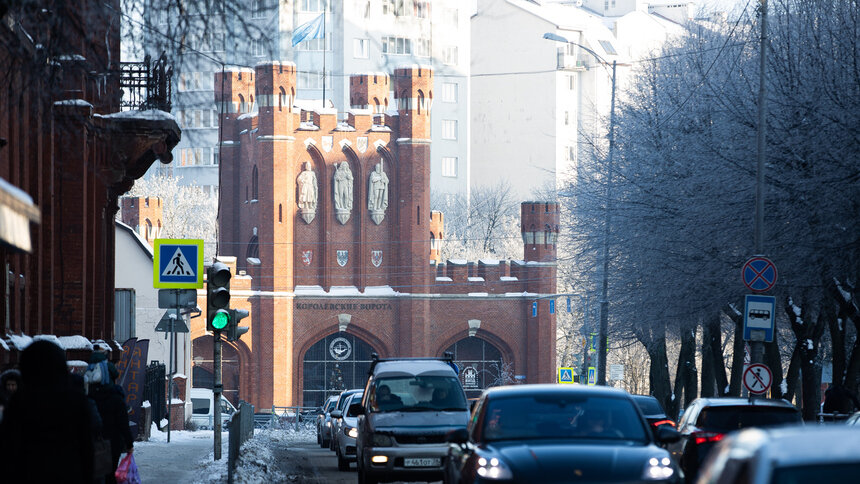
(220, 320)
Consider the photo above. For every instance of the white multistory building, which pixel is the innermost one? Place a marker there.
(361, 36)
(535, 100)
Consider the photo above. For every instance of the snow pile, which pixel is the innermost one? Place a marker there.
(256, 462)
(156, 435)
(48, 337)
(288, 435)
(75, 343)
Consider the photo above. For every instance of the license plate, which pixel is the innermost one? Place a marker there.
(425, 462)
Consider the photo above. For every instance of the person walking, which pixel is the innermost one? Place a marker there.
(10, 382)
(110, 401)
(46, 433)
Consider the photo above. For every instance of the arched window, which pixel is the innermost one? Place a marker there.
(253, 251)
(254, 185)
(241, 104)
(481, 365)
(548, 234)
(339, 361)
(148, 234)
(418, 215)
(158, 233)
(421, 106)
(282, 99)
(280, 213)
(434, 245)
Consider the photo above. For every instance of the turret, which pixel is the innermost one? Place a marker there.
(413, 89)
(369, 91)
(437, 225)
(539, 228)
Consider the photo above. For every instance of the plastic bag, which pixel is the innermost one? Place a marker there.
(126, 472)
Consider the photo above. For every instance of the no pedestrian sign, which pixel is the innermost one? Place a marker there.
(757, 379)
(178, 264)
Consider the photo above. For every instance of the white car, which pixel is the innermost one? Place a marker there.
(203, 410)
(347, 431)
(824, 453)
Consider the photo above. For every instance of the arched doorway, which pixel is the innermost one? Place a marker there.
(481, 365)
(335, 363)
(202, 371)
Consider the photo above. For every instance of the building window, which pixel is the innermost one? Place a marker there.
(453, 16)
(421, 8)
(607, 47)
(449, 55)
(254, 185)
(449, 129)
(313, 80)
(394, 7)
(258, 9)
(396, 45)
(571, 82)
(422, 47)
(566, 118)
(258, 48)
(315, 6)
(359, 48)
(449, 166)
(314, 45)
(570, 153)
(449, 92)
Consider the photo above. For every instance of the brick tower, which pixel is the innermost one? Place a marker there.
(144, 215)
(540, 236)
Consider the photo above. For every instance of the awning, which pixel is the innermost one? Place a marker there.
(16, 212)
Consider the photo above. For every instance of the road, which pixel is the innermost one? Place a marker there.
(307, 463)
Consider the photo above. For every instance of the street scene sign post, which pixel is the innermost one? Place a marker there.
(565, 375)
(178, 264)
(757, 378)
(759, 274)
(759, 317)
(616, 372)
(592, 376)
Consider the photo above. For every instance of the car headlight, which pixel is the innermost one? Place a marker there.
(351, 432)
(493, 468)
(381, 440)
(658, 469)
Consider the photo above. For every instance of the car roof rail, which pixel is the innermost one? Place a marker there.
(447, 357)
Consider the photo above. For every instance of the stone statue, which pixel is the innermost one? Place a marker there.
(377, 194)
(308, 194)
(343, 192)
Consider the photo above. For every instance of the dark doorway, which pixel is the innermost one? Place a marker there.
(335, 363)
(480, 365)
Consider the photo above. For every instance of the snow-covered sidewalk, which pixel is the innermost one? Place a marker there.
(189, 457)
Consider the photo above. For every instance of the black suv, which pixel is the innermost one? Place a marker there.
(707, 420)
(408, 408)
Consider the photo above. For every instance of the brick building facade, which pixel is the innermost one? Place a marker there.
(334, 264)
(68, 152)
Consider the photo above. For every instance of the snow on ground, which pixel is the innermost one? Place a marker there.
(256, 462)
(156, 435)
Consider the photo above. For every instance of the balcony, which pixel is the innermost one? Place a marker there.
(146, 85)
(567, 62)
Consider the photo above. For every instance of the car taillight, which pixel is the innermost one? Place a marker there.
(707, 437)
(663, 422)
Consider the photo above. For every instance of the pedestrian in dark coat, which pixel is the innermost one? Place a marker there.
(110, 401)
(46, 433)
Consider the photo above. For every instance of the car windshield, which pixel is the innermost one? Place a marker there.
(726, 419)
(648, 405)
(417, 393)
(341, 403)
(559, 416)
(329, 405)
(816, 473)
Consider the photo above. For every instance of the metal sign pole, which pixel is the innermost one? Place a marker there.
(217, 394)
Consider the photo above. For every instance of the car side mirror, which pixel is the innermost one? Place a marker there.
(458, 436)
(355, 410)
(336, 414)
(667, 435)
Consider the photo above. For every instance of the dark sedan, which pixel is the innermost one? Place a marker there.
(653, 411)
(558, 433)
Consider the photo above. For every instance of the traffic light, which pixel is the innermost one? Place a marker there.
(234, 331)
(217, 297)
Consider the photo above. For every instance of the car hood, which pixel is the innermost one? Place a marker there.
(408, 421)
(584, 461)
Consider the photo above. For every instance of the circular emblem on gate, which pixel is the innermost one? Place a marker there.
(339, 348)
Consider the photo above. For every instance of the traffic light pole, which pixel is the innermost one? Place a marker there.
(217, 395)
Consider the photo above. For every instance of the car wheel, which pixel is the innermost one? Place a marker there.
(342, 463)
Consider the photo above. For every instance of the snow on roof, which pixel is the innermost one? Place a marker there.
(309, 126)
(253, 261)
(101, 344)
(508, 278)
(489, 262)
(140, 241)
(458, 262)
(149, 114)
(444, 279)
(77, 364)
(344, 291)
(520, 294)
(252, 114)
(342, 126)
(379, 291)
(476, 279)
(72, 102)
(16, 192)
(414, 66)
(479, 294)
(275, 63)
(48, 337)
(4, 345)
(309, 291)
(567, 17)
(180, 375)
(77, 342)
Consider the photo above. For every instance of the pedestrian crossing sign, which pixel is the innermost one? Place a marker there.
(592, 375)
(565, 375)
(178, 264)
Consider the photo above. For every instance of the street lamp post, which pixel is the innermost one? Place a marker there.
(604, 293)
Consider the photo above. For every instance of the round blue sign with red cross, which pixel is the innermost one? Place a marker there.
(759, 274)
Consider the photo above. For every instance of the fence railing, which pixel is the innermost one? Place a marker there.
(295, 418)
(241, 429)
(146, 85)
(154, 391)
